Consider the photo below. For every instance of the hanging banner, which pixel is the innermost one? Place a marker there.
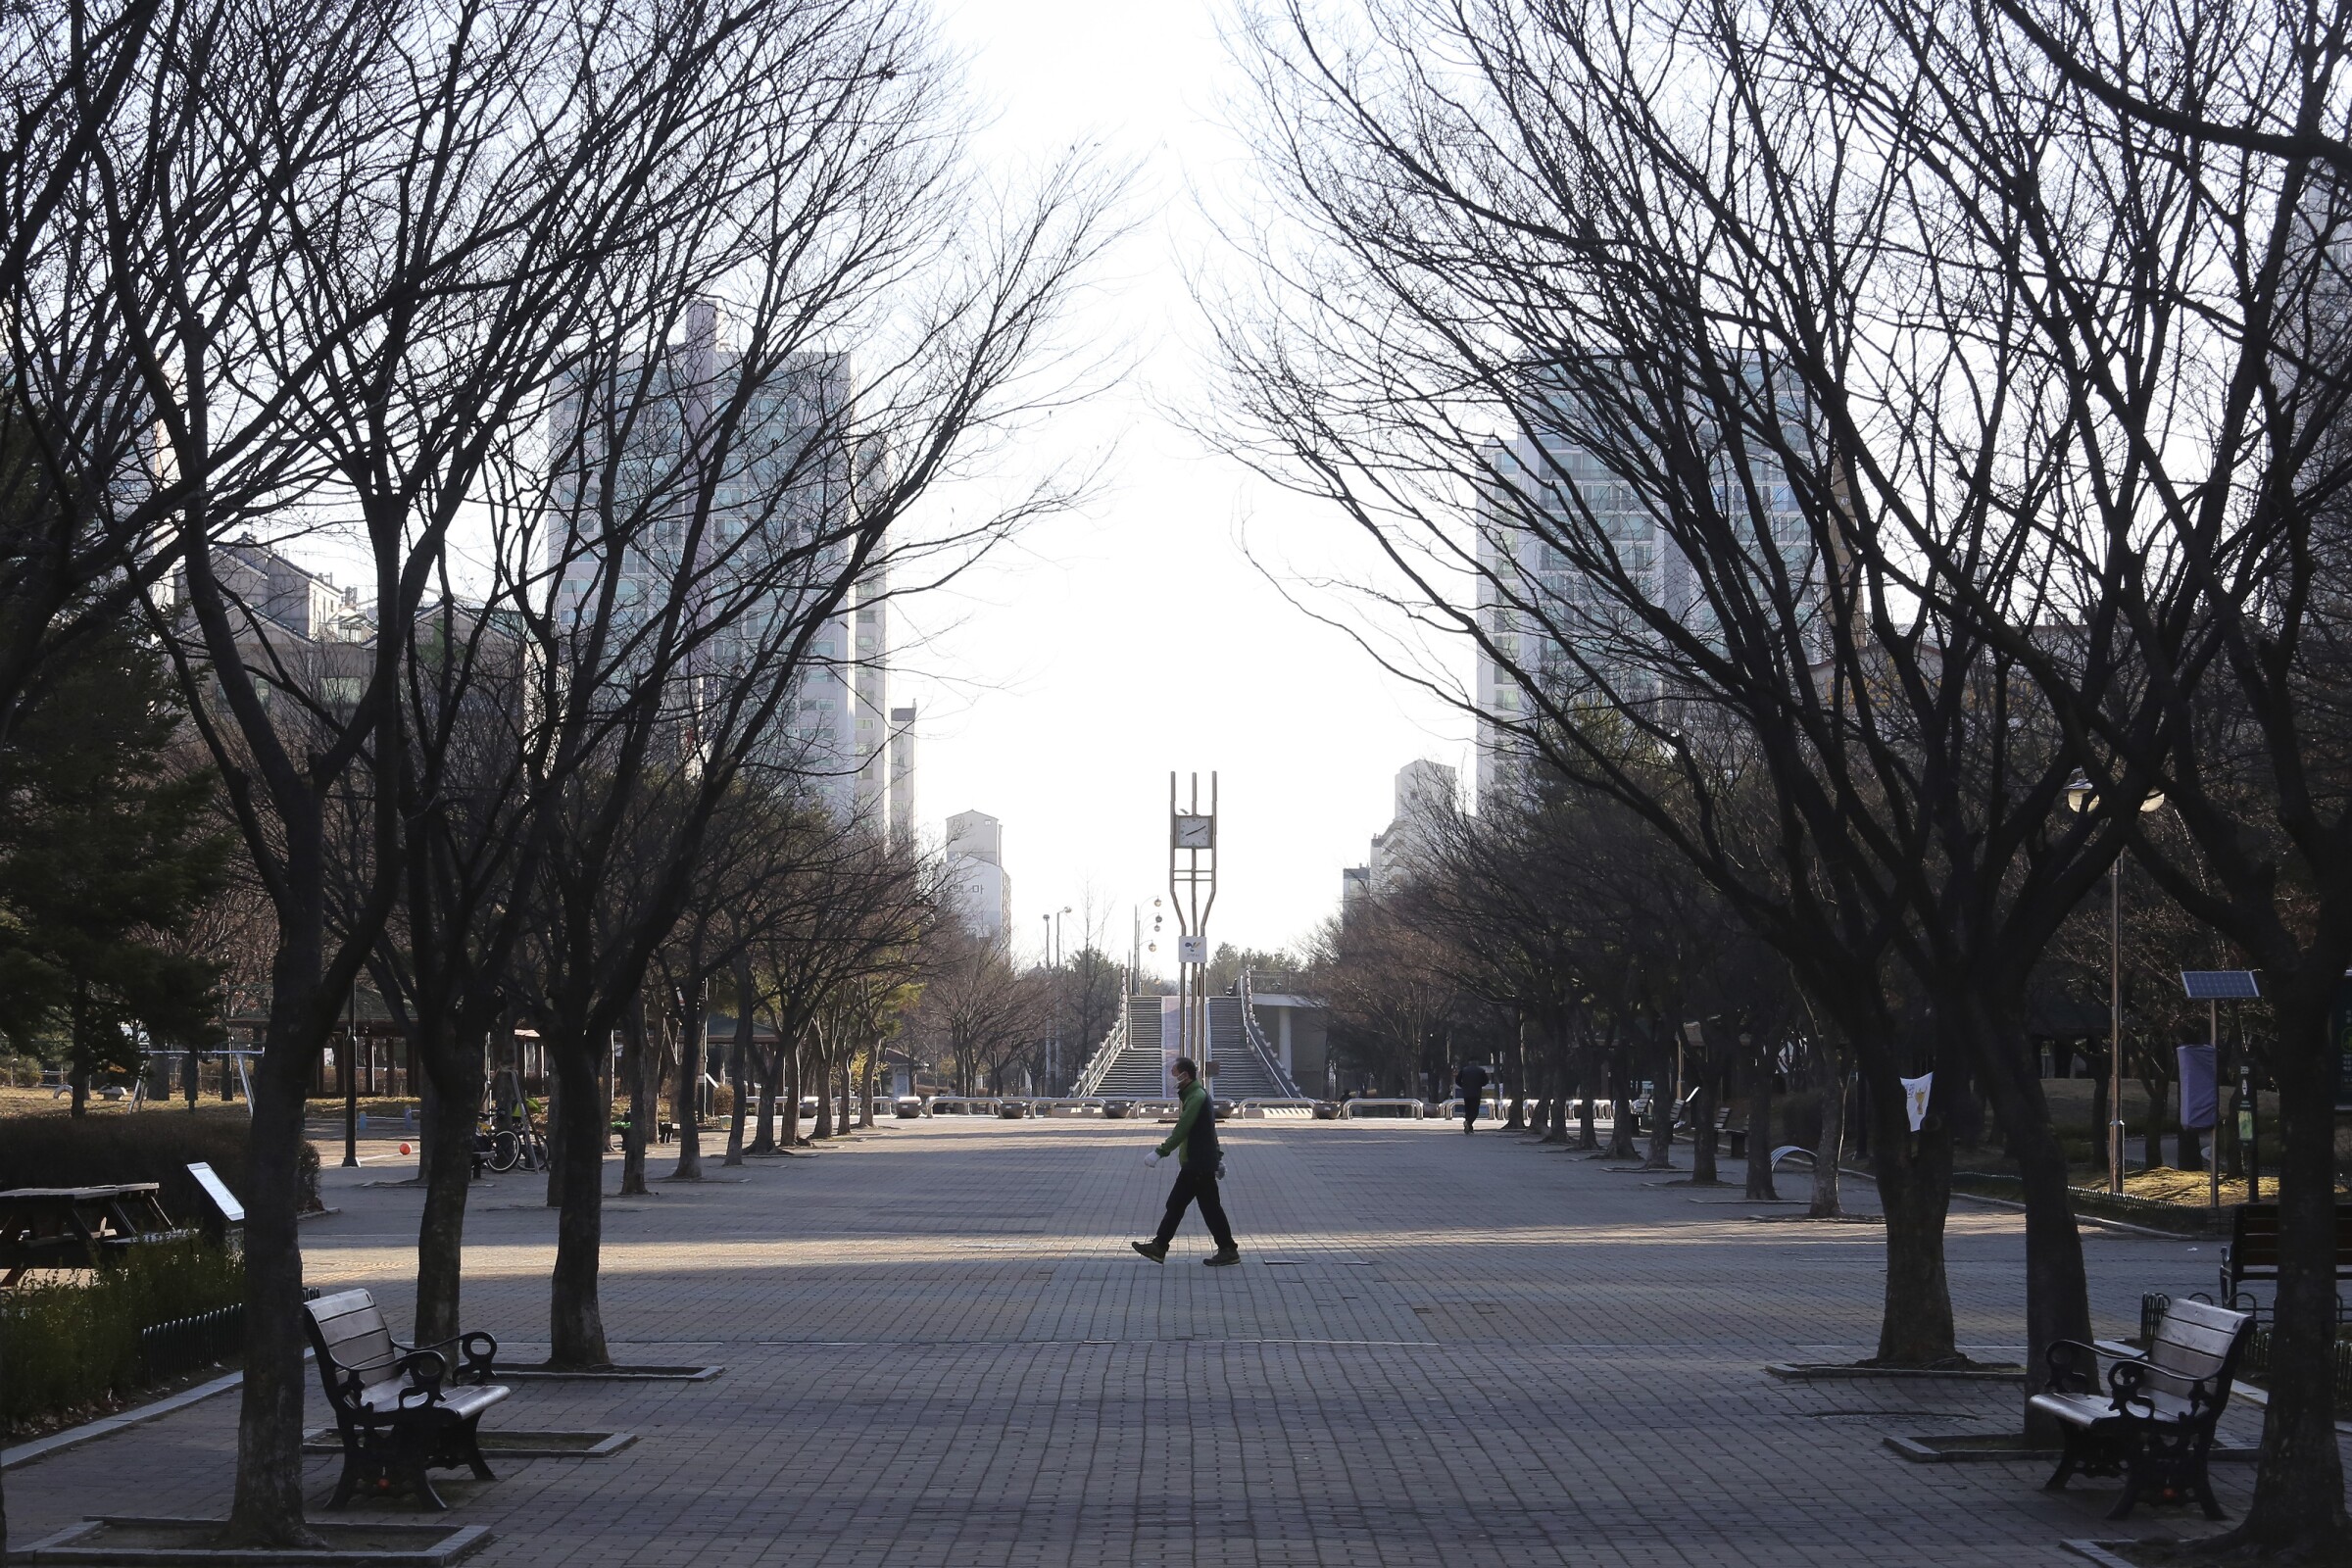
(1915, 1097)
(2200, 1100)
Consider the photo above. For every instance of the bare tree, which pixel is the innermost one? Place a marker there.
(1623, 335)
(2163, 188)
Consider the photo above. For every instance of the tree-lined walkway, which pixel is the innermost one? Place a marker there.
(940, 1351)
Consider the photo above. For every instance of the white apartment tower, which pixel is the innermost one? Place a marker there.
(780, 485)
(902, 776)
(1583, 498)
(982, 892)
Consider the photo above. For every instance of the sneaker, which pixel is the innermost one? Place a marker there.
(1157, 1251)
(1224, 1260)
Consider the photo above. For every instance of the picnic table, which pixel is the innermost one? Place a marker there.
(77, 1227)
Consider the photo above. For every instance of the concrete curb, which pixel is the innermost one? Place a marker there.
(107, 1426)
(84, 1543)
(1834, 1371)
(610, 1374)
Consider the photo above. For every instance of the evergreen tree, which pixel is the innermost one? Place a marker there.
(105, 852)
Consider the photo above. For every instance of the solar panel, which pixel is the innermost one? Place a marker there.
(2220, 985)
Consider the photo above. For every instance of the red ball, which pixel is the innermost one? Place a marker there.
(404, 1148)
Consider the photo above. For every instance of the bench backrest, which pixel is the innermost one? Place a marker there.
(2194, 1344)
(349, 1333)
(2254, 1239)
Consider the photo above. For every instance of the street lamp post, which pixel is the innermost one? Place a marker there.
(2081, 795)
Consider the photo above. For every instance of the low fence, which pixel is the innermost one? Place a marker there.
(186, 1345)
(174, 1350)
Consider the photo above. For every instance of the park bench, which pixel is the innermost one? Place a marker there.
(399, 1408)
(2253, 1249)
(2153, 1422)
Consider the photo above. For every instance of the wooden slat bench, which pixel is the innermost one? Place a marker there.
(398, 1407)
(2153, 1424)
(2253, 1249)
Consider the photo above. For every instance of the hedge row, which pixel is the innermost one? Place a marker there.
(57, 1150)
(71, 1343)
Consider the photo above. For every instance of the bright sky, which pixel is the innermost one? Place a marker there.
(1064, 682)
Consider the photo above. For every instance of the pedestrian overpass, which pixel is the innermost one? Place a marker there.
(1253, 1061)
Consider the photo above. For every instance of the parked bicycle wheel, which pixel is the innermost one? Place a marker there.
(506, 1151)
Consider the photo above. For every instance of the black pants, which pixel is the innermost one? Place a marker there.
(1469, 1113)
(1197, 1181)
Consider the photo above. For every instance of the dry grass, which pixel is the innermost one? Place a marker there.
(2188, 1187)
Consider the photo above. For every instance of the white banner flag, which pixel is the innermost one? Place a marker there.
(1915, 1097)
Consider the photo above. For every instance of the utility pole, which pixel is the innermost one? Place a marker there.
(1193, 890)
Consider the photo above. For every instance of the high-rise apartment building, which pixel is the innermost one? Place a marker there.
(902, 776)
(983, 892)
(1554, 625)
(764, 500)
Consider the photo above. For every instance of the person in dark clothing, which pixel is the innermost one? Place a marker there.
(1472, 1082)
(1193, 1143)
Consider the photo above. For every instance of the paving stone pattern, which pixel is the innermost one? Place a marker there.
(1439, 1349)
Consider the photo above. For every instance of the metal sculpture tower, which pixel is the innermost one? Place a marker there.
(1192, 892)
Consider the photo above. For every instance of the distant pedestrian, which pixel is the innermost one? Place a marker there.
(1193, 1143)
(1472, 1082)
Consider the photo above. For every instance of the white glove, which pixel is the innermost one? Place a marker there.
(1153, 1159)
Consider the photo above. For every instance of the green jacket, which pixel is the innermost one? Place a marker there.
(1194, 1117)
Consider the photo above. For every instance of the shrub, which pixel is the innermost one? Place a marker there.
(56, 1149)
(74, 1342)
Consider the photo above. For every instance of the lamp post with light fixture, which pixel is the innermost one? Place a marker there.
(2081, 795)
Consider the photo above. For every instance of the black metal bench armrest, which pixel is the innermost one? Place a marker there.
(425, 1371)
(2125, 1379)
(349, 1390)
(2074, 1367)
(476, 1355)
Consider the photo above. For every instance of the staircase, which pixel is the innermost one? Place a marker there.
(1128, 1066)
(1248, 1066)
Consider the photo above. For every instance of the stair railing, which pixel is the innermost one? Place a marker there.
(1257, 1036)
(1098, 1066)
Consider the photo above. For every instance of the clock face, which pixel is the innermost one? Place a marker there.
(1196, 832)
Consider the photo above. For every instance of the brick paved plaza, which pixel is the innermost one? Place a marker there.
(939, 1350)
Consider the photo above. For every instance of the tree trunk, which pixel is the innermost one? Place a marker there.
(266, 1509)
(634, 1050)
(763, 1131)
(1756, 1064)
(1826, 1202)
(557, 1138)
(790, 1062)
(1914, 1173)
(2152, 1147)
(1661, 1106)
(2299, 1482)
(1702, 1129)
(737, 1112)
(865, 1099)
(686, 1096)
(79, 1058)
(825, 1099)
(1621, 1110)
(1587, 1136)
(441, 1232)
(575, 1319)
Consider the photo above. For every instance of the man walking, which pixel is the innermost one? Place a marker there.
(1472, 1082)
(1193, 1143)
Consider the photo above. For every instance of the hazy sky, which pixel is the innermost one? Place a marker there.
(1061, 685)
